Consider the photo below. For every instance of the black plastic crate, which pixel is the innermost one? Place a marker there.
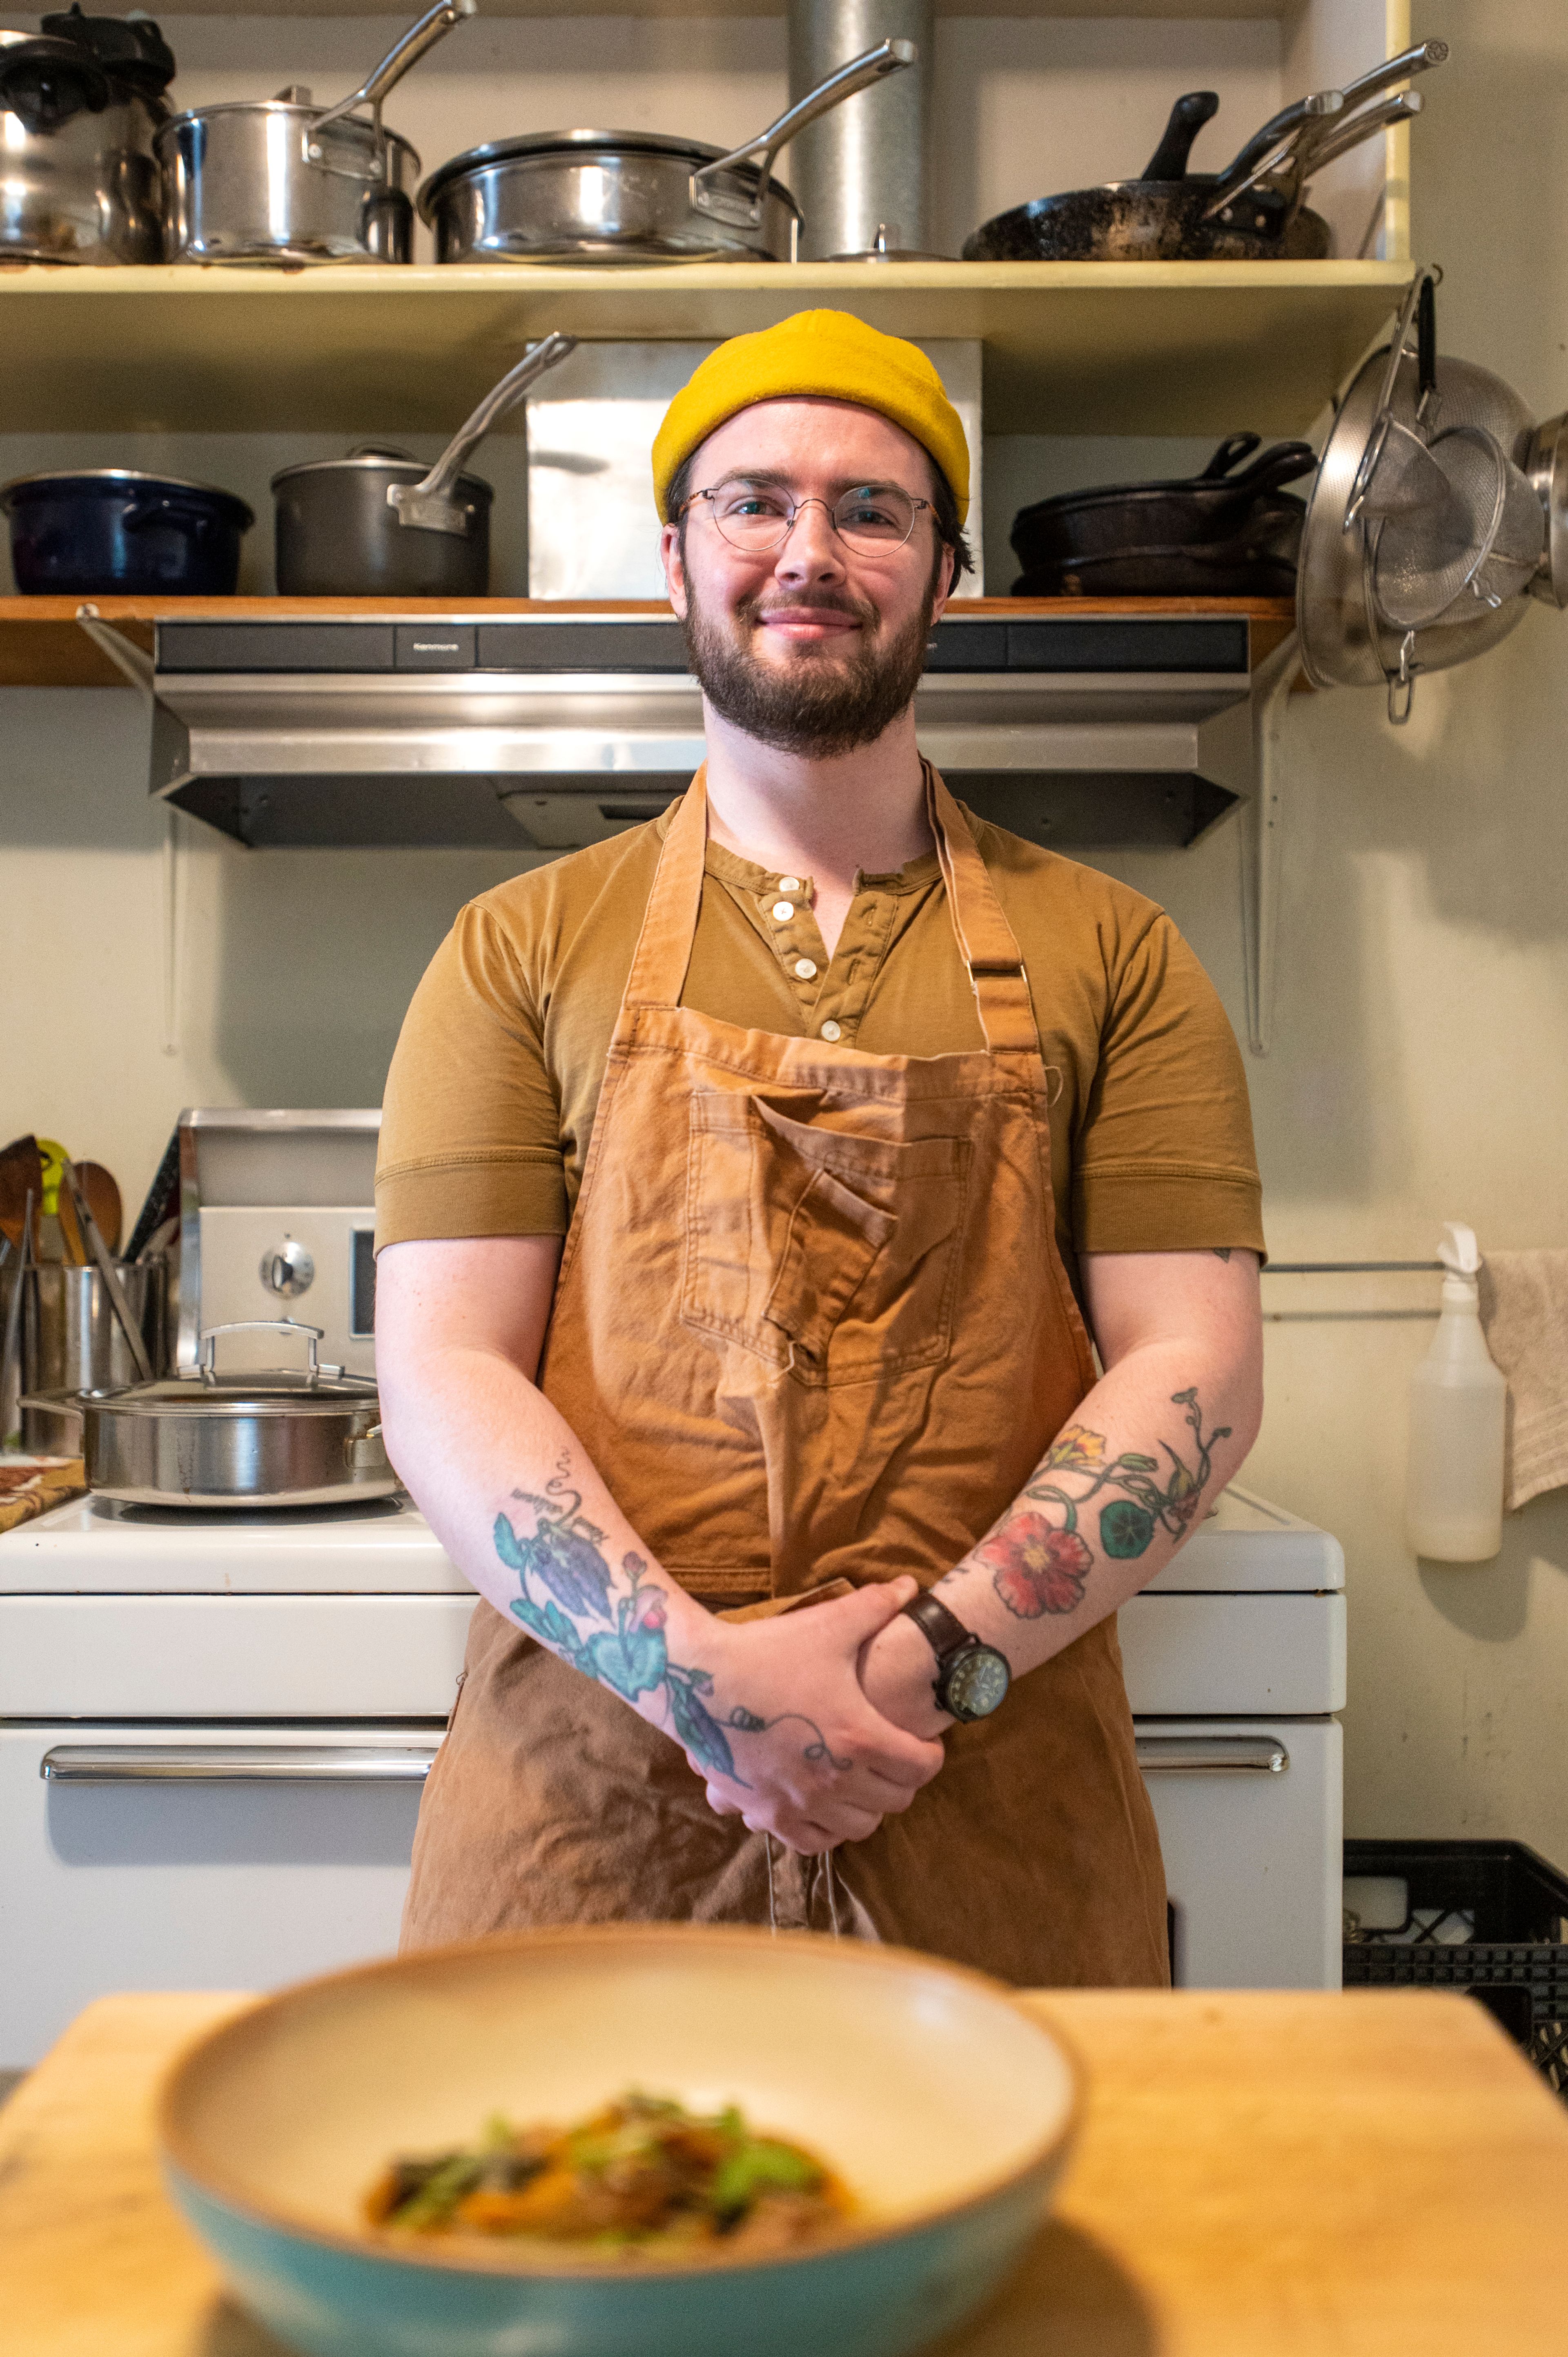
(1488, 1917)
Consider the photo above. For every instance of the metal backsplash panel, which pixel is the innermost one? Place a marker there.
(592, 532)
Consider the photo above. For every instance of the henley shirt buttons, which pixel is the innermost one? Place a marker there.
(783, 911)
(789, 884)
(832, 1031)
(805, 968)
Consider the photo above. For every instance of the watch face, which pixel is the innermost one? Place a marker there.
(976, 1683)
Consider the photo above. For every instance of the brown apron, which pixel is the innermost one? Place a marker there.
(811, 1324)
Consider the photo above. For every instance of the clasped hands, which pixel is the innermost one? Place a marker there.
(850, 1727)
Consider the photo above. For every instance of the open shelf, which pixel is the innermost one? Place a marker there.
(42, 645)
(1070, 346)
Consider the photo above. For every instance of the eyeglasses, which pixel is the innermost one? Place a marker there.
(874, 519)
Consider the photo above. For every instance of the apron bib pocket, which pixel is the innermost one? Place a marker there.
(794, 1249)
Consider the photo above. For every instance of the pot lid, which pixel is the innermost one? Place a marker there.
(61, 478)
(396, 470)
(539, 145)
(274, 1392)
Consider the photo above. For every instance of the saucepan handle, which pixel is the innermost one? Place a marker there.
(429, 506)
(873, 65)
(405, 52)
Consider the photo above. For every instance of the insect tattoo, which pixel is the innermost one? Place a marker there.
(625, 1646)
(1039, 1565)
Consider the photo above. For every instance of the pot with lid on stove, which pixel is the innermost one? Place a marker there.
(81, 104)
(288, 1437)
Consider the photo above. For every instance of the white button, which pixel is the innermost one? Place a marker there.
(805, 968)
(789, 884)
(832, 1031)
(783, 911)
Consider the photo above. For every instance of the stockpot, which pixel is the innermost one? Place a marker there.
(306, 1436)
(283, 181)
(110, 531)
(80, 103)
(633, 196)
(380, 523)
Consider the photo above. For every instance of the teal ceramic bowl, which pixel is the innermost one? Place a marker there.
(946, 2109)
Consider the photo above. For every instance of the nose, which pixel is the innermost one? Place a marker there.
(811, 550)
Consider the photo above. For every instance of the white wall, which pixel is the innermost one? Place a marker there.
(1421, 1040)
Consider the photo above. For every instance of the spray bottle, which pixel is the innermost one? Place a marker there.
(1453, 1500)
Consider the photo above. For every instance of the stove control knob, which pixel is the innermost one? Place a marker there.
(287, 1268)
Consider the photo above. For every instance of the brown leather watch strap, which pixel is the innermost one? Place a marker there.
(942, 1629)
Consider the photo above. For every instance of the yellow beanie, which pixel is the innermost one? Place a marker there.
(828, 353)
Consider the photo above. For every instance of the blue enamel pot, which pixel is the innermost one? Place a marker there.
(947, 2109)
(110, 532)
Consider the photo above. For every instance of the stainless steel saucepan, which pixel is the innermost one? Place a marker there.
(634, 196)
(281, 180)
(379, 523)
(306, 1436)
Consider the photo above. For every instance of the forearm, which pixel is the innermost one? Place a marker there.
(519, 1506)
(771, 1716)
(1118, 1491)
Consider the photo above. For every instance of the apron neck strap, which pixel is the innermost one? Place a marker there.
(986, 941)
(663, 951)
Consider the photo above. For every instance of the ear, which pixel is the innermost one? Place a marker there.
(669, 558)
(947, 576)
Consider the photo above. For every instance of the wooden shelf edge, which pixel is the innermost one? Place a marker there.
(42, 646)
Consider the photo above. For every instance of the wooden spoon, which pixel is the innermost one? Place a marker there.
(21, 1175)
(103, 1202)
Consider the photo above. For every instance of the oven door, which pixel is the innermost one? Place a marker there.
(189, 1857)
(1251, 1819)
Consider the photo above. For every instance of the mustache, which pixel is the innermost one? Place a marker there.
(824, 601)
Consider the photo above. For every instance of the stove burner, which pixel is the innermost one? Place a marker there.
(230, 1518)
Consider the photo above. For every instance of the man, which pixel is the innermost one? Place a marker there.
(853, 1112)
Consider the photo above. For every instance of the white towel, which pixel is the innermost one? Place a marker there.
(1524, 1309)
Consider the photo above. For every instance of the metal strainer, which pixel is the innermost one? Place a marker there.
(1418, 539)
(1475, 526)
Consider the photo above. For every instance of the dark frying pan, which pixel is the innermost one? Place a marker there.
(1159, 217)
(1122, 518)
(1231, 532)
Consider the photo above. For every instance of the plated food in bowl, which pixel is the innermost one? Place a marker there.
(943, 2110)
(644, 2175)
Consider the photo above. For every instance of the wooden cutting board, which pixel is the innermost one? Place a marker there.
(1259, 2175)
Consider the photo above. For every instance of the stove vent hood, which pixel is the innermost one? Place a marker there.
(552, 730)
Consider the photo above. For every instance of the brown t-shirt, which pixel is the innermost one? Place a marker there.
(495, 1081)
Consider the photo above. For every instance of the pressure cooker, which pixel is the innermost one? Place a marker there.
(81, 104)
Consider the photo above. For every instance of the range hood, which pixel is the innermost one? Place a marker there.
(552, 730)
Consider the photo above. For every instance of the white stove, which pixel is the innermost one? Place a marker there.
(214, 1730)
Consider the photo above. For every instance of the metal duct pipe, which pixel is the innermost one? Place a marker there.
(863, 168)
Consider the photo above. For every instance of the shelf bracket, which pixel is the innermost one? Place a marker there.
(1260, 836)
(125, 655)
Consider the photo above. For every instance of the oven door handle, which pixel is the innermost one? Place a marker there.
(1211, 1755)
(236, 1763)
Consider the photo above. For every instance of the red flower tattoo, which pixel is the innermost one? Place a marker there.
(1036, 1568)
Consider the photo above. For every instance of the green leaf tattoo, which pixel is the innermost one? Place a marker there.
(629, 1653)
(1039, 1565)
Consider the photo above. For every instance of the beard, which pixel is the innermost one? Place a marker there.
(824, 702)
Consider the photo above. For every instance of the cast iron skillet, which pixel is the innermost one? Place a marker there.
(1220, 534)
(1158, 217)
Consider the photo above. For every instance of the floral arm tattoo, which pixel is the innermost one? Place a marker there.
(623, 1646)
(1040, 1562)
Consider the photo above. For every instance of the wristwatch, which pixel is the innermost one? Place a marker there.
(972, 1677)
